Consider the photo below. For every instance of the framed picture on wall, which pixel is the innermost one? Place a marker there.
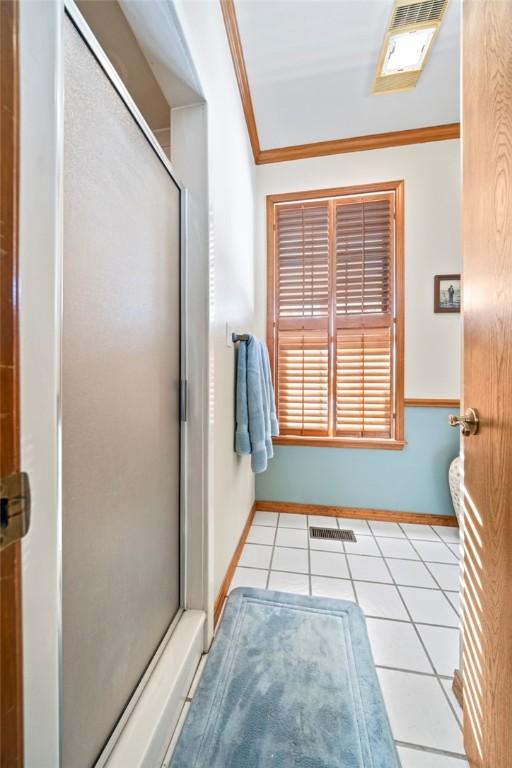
(447, 293)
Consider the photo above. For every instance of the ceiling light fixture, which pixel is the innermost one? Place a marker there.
(411, 32)
(406, 51)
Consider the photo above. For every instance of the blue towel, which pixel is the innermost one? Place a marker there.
(269, 409)
(256, 421)
(242, 441)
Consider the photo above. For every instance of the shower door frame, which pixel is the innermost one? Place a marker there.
(73, 14)
(153, 713)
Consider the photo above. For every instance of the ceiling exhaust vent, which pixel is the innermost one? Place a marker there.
(408, 40)
(417, 13)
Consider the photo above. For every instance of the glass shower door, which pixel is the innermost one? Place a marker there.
(120, 405)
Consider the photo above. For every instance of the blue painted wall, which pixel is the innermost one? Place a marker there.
(412, 480)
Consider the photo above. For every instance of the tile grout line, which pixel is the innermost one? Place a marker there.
(428, 563)
(310, 580)
(341, 551)
(357, 554)
(434, 674)
(406, 621)
(267, 582)
(433, 751)
(447, 697)
(445, 693)
(364, 581)
(408, 671)
(420, 638)
(439, 587)
(417, 559)
(438, 538)
(352, 581)
(405, 536)
(401, 525)
(406, 608)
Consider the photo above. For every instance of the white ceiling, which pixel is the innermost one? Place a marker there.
(311, 65)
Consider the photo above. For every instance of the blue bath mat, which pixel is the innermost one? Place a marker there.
(289, 682)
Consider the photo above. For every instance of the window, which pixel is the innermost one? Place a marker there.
(335, 315)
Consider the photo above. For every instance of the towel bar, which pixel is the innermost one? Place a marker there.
(240, 337)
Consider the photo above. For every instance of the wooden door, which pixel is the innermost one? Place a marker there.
(487, 252)
(11, 752)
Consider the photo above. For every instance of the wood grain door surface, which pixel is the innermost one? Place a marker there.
(487, 250)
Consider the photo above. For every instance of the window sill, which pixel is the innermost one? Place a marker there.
(341, 442)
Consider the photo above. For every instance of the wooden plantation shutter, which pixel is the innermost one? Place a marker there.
(303, 303)
(335, 316)
(364, 379)
(303, 382)
(364, 254)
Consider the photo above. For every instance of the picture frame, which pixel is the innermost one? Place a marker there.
(447, 293)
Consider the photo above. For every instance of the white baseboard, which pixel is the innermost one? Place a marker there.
(145, 737)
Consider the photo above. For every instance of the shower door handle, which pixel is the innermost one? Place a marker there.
(14, 508)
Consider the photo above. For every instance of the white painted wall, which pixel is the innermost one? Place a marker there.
(432, 243)
(233, 267)
(189, 156)
(40, 234)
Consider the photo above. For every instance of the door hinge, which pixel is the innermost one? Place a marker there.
(14, 508)
(183, 399)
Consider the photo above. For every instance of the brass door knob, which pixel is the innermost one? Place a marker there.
(468, 423)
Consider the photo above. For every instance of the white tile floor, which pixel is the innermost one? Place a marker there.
(405, 578)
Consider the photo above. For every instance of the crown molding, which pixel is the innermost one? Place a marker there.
(237, 54)
(361, 143)
(318, 148)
